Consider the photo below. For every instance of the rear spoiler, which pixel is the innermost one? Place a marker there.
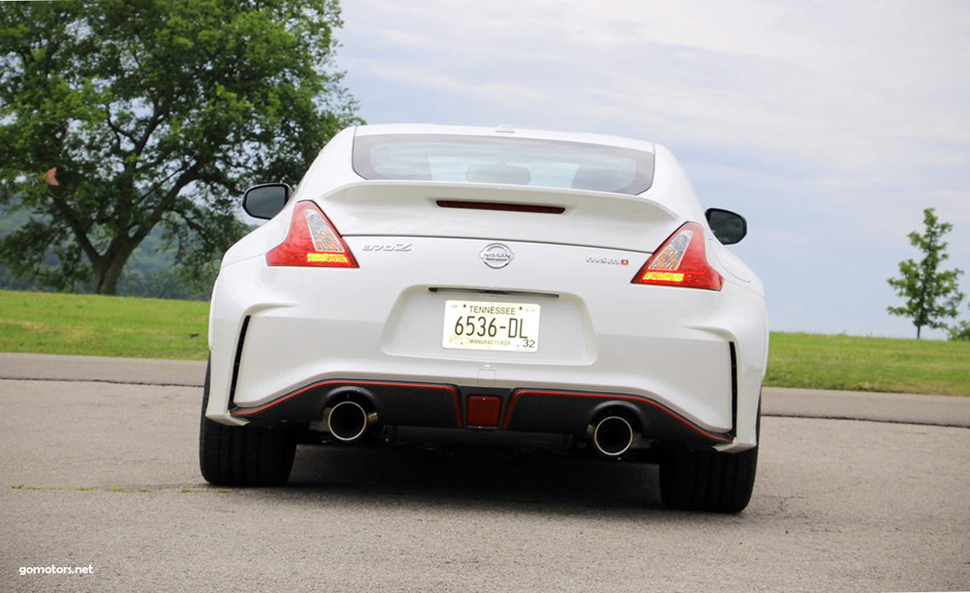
(499, 212)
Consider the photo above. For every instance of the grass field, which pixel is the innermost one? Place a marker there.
(102, 326)
(869, 364)
(153, 328)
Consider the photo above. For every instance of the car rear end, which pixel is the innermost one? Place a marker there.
(495, 307)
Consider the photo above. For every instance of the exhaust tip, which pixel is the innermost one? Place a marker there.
(612, 436)
(348, 421)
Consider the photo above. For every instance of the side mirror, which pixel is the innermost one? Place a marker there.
(728, 227)
(265, 201)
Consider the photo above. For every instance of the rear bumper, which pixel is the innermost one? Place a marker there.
(667, 352)
(536, 410)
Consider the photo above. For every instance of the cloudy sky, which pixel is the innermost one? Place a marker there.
(829, 124)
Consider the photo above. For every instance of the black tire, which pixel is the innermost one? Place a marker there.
(707, 480)
(243, 455)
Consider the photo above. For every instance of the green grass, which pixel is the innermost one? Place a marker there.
(102, 326)
(869, 364)
(153, 328)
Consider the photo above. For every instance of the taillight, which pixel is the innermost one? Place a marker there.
(311, 241)
(681, 261)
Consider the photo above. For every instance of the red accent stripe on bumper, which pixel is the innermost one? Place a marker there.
(243, 412)
(697, 429)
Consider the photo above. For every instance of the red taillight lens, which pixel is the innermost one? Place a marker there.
(311, 241)
(681, 261)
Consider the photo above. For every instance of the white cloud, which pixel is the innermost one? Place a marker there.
(829, 122)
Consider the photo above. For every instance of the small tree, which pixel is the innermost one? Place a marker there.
(931, 295)
(960, 331)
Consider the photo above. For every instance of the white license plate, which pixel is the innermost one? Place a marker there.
(479, 325)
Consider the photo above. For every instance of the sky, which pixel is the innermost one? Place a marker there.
(830, 125)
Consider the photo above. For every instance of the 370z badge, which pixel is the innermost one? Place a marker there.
(388, 247)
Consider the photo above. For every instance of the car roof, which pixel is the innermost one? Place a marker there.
(504, 131)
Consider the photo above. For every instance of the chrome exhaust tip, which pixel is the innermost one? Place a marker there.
(348, 421)
(612, 436)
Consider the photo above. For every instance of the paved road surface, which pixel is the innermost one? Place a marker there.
(102, 474)
(799, 403)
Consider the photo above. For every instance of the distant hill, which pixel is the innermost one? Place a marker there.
(150, 272)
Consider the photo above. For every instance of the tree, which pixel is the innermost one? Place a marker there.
(931, 295)
(117, 116)
(960, 331)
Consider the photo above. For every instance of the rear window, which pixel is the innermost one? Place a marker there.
(515, 161)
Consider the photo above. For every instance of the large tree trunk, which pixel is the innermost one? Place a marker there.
(109, 273)
(918, 328)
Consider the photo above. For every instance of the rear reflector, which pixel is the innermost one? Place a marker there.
(311, 241)
(484, 410)
(681, 261)
(501, 206)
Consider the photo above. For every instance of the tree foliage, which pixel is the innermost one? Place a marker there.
(960, 331)
(931, 295)
(154, 112)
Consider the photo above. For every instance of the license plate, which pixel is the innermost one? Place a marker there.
(478, 325)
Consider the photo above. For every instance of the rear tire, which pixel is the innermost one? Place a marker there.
(243, 455)
(708, 481)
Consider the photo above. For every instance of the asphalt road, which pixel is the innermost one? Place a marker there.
(104, 473)
(798, 403)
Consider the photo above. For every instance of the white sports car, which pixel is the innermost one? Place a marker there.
(504, 287)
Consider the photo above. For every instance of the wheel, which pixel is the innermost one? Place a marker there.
(243, 455)
(707, 480)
